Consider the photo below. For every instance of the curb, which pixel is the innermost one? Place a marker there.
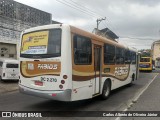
(8, 91)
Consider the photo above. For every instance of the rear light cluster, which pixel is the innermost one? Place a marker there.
(65, 76)
(63, 81)
(61, 86)
(149, 65)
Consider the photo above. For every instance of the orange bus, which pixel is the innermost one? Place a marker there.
(64, 63)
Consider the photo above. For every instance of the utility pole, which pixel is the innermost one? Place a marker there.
(99, 20)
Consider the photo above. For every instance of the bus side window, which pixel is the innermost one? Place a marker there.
(109, 54)
(82, 50)
(127, 57)
(133, 54)
(1, 63)
(120, 55)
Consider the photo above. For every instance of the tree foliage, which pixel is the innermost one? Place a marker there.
(145, 52)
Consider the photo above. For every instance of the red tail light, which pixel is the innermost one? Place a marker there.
(61, 86)
(149, 65)
(65, 76)
(62, 81)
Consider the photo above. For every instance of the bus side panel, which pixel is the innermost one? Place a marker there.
(118, 74)
(82, 78)
(82, 90)
(82, 81)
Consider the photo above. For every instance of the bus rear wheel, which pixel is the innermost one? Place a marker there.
(0, 79)
(131, 83)
(106, 89)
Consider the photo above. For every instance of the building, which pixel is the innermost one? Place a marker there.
(155, 53)
(14, 18)
(107, 33)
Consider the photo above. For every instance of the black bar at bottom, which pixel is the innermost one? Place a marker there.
(17, 114)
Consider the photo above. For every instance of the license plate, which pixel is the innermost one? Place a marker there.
(39, 83)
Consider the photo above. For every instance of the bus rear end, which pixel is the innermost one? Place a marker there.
(145, 64)
(42, 60)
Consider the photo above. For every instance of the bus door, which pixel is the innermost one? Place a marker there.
(137, 65)
(97, 68)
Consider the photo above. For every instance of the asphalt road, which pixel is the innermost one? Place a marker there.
(118, 100)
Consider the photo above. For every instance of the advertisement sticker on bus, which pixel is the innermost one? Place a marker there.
(35, 43)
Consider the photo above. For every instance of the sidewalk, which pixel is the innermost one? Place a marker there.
(148, 101)
(8, 86)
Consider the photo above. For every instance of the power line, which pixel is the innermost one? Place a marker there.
(138, 38)
(100, 15)
(76, 8)
(87, 9)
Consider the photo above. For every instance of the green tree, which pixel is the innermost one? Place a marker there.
(145, 52)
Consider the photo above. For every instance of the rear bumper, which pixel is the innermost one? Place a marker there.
(145, 68)
(64, 95)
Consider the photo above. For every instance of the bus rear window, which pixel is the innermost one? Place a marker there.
(41, 44)
(145, 60)
(11, 65)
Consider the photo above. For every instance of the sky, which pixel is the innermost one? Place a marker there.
(136, 22)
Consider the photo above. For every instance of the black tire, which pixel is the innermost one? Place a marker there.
(106, 90)
(133, 77)
(131, 83)
(1, 79)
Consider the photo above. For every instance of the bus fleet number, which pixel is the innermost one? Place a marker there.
(45, 79)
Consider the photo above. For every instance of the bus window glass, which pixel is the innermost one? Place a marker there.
(145, 60)
(82, 50)
(109, 54)
(120, 55)
(127, 56)
(11, 65)
(41, 44)
(1, 63)
(133, 58)
(54, 44)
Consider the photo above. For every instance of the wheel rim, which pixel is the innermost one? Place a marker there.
(106, 91)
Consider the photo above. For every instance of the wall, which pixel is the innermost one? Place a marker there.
(16, 17)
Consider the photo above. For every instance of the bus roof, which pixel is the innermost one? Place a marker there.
(100, 38)
(80, 32)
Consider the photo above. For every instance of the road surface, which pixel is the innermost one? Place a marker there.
(118, 100)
